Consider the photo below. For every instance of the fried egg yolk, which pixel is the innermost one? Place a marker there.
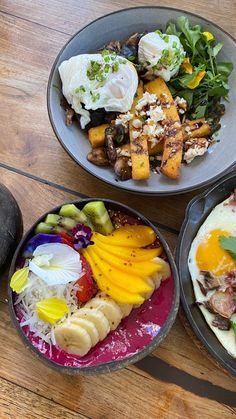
(211, 257)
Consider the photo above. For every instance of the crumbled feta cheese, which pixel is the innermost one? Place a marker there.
(149, 130)
(187, 129)
(129, 163)
(180, 100)
(137, 123)
(181, 105)
(147, 99)
(136, 134)
(124, 119)
(153, 141)
(195, 147)
(156, 113)
(122, 152)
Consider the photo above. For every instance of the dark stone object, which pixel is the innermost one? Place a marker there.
(11, 225)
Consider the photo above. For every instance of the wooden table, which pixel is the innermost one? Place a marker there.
(178, 381)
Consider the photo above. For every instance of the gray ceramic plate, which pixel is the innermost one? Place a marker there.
(197, 211)
(120, 25)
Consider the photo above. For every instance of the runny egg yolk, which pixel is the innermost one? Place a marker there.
(211, 257)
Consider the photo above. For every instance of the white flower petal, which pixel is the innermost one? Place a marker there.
(64, 266)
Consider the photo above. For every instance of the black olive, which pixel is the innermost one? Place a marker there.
(110, 116)
(119, 134)
(129, 51)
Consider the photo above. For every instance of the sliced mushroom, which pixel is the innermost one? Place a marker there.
(98, 156)
(113, 46)
(222, 303)
(122, 168)
(69, 116)
(221, 323)
(133, 39)
(110, 145)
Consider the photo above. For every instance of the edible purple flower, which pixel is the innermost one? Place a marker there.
(82, 235)
(39, 239)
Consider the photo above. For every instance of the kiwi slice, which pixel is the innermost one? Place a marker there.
(57, 220)
(99, 216)
(70, 210)
(49, 229)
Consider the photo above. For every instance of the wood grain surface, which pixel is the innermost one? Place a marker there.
(178, 380)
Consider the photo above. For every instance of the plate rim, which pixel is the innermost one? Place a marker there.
(121, 185)
(178, 252)
(112, 365)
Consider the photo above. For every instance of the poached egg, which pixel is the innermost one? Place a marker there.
(161, 54)
(103, 80)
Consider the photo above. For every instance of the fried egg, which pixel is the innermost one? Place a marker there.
(161, 54)
(206, 254)
(97, 81)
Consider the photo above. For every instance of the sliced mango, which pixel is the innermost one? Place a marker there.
(126, 281)
(128, 253)
(130, 236)
(144, 269)
(118, 294)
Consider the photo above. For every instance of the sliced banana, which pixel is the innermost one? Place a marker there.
(152, 285)
(157, 277)
(125, 309)
(109, 308)
(165, 267)
(72, 338)
(97, 318)
(88, 326)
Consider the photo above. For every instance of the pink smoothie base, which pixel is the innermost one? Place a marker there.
(133, 334)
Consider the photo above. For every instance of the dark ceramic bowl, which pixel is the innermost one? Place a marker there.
(137, 335)
(119, 26)
(197, 211)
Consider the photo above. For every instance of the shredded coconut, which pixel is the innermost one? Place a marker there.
(35, 291)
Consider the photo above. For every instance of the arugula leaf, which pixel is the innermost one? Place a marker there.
(171, 29)
(224, 68)
(192, 34)
(187, 95)
(233, 325)
(200, 111)
(229, 244)
(217, 49)
(204, 99)
(218, 91)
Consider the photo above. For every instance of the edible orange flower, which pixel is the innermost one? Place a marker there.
(208, 35)
(187, 66)
(192, 84)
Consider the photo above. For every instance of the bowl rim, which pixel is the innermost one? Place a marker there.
(121, 185)
(205, 194)
(112, 365)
